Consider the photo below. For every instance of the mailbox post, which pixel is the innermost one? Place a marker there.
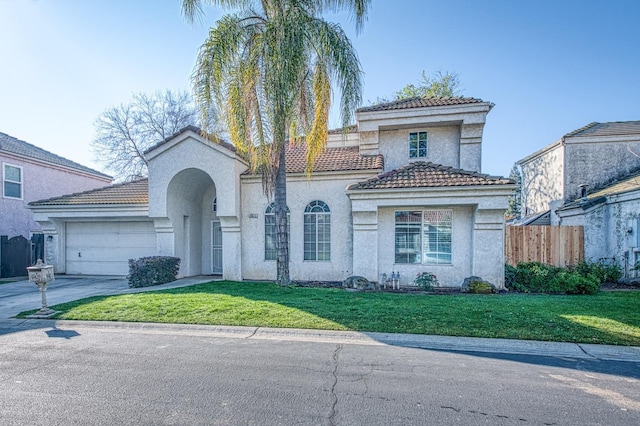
(41, 274)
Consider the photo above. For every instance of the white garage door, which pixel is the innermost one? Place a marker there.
(104, 248)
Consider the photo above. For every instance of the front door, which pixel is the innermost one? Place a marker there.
(216, 248)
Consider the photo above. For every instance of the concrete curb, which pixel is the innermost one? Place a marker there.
(442, 343)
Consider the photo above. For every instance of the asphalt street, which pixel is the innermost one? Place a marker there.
(80, 373)
(105, 373)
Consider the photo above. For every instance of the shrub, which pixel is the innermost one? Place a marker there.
(480, 287)
(510, 273)
(426, 281)
(570, 282)
(603, 273)
(152, 270)
(531, 277)
(541, 278)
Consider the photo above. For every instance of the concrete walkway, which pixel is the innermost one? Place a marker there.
(22, 295)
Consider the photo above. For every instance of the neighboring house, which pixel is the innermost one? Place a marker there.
(30, 173)
(400, 191)
(611, 220)
(594, 155)
(590, 178)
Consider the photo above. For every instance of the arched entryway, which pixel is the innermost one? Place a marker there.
(193, 215)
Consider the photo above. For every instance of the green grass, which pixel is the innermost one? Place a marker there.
(607, 318)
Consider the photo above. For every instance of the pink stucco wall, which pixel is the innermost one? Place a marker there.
(39, 181)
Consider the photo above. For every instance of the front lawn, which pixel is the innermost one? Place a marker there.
(607, 318)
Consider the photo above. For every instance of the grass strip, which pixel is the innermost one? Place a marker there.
(605, 318)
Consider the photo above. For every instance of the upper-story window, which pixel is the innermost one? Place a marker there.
(417, 144)
(12, 181)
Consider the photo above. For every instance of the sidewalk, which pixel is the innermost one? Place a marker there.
(22, 295)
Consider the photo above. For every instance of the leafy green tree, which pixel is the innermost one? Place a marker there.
(439, 85)
(269, 69)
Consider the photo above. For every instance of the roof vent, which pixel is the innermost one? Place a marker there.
(583, 191)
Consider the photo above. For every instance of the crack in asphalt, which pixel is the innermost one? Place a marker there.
(585, 352)
(255, 330)
(332, 412)
(499, 416)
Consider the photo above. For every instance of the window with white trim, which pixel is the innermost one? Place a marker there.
(12, 181)
(270, 231)
(423, 236)
(417, 145)
(317, 231)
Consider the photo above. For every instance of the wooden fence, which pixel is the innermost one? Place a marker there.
(554, 245)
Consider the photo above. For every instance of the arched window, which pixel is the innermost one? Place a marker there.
(270, 231)
(317, 231)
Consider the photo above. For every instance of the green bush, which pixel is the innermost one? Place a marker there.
(534, 277)
(152, 270)
(603, 273)
(426, 281)
(570, 282)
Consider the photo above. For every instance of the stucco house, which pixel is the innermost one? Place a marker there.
(399, 191)
(31, 173)
(590, 177)
(611, 220)
(592, 156)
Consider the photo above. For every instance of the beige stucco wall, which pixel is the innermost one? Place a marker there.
(542, 180)
(457, 134)
(184, 176)
(598, 161)
(329, 188)
(443, 146)
(610, 229)
(477, 232)
(461, 250)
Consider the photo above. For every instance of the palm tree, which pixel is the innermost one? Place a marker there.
(269, 70)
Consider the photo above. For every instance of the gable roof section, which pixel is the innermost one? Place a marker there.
(614, 128)
(421, 174)
(420, 102)
(194, 129)
(136, 192)
(25, 149)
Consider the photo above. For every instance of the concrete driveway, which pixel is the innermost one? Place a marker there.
(19, 296)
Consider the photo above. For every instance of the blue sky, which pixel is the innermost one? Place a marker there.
(550, 66)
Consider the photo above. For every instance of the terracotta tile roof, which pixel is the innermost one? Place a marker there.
(195, 130)
(420, 102)
(615, 128)
(331, 160)
(136, 192)
(20, 147)
(421, 174)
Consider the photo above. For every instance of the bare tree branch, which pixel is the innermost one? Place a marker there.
(125, 132)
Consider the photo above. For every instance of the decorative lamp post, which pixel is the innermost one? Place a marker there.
(41, 275)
